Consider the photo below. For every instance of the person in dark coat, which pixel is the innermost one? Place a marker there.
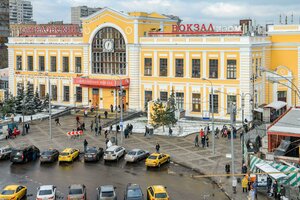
(111, 108)
(244, 169)
(275, 189)
(196, 141)
(170, 131)
(105, 114)
(85, 144)
(92, 125)
(27, 127)
(157, 147)
(118, 128)
(105, 134)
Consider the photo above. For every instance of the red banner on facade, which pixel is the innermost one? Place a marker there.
(108, 83)
(50, 30)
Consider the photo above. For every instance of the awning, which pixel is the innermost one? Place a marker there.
(276, 105)
(260, 110)
(272, 172)
(103, 83)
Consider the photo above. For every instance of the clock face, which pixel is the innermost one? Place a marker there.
(108, 45)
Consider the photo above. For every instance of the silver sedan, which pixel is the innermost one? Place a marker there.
(136, 155)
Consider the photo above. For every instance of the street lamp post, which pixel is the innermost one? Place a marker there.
(212, 114)
(50, 114)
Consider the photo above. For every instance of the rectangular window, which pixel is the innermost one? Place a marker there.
(42, 91)
(65, 64)
(196, 102)
(215, 104)
(19, 63)
(54, 92)
(179, 68)
(30, 63)
(230, 99)
(77, 64)
(213, 68)
(281, 96)
(164, 96)
(53, 63)
(195, 68)
(148, 96)
(231, 69)
(41, 63)
(180, 100)
(148, 67)
(66, 93)
(163, 67)
(78, 94)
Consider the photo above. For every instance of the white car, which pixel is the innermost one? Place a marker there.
(5, 152)
(114, 153)
(46, 192)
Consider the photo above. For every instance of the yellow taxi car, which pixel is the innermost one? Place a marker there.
(14, 192)
(68, 155)
(157, 192)
(156, 159)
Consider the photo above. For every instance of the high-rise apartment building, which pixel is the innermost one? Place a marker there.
(4, 31)
(20, 12)
(81, 11)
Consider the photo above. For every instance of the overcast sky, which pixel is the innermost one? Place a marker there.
(218, 12)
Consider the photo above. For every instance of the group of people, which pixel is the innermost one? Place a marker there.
(204, 138)
(117, 108)
(128, 130)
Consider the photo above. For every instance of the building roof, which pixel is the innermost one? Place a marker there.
(288, 123)
(276, 105)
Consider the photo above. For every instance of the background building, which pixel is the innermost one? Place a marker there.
(20, 12)
(4, 32)
(81, 11)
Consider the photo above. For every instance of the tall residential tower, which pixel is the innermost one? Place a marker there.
(20, 12)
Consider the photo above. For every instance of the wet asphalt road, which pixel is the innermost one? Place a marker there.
(176, 178)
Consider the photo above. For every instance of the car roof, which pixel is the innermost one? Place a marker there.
(11, 187)
(49, 150)
(133, 186)
(155, 154)
(112, 148)
(159, 188)
(107, 188)
(67, 150)
(46, 187)
(76, 186)
(135, 150)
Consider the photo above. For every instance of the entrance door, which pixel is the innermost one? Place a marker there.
(95, 97)
(281, 96)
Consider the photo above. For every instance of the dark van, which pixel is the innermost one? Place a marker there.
(25, 154)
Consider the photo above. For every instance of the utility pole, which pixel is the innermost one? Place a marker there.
(50, 114)
(121, 114)
(243, 120)
(212, 119)
(232, 119)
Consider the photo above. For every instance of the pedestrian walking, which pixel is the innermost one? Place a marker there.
(77, 120)
(254, 186)
(196, 140)
(245, 184)
(170, 131)
(146, 131)
(85, 144)
(217, 133)
(131, 129)
(269, 184)
(244, 169)
(110, 128)
(105, 133)
(85, 113)
(111, 108)
(83, 126)
(27, 127)
(100, 129)
(207, 141)
(234, 184)
(282, 191)
(92, 125)
(157, 147)
(227, 168)
(275, 189)
(105, 114)
(57, 121)
(252, 194)
(118, 128)
(96, 130)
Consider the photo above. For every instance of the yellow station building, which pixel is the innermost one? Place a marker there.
(116, 47)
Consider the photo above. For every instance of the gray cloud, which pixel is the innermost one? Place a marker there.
(197, 11)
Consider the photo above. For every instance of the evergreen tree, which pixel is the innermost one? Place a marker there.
(46, 102)
(19, 99)
(8, 105)
(29, 100)
(37, 102)
(158, 114)
(170, 109)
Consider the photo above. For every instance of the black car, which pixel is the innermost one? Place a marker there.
(24, 154)
(93, 154)
(50, 155)
(133, 192)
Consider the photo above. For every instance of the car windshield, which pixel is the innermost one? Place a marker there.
(17, 152)
(45, 192)
(107, 194)
(132, 153)
(152, 157)
(91, 150)
(46, 153)
(134, 193)
(64, 154)
(75, 191)
(7, 192)
(161, 195)
(107, 152)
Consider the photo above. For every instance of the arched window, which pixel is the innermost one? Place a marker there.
(109, 52)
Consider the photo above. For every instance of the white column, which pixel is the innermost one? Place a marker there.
(24, 64)
(222, 60)
(155, 91)
(205, 98)
(85, 58)
(47, 68)
(204, 60)
(58, 61)
(35, 59)
(187, 98)
(101, 98)
(71, 62)
(155, 73)
(85, 96)
(275, 89)
(289, 95)
(136, 31)
(187, 65)
(171, 65)
(223, 103)
(11, 71)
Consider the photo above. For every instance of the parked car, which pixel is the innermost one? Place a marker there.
(17, 192)
(24, 154)
(68, 155)
(106, 192)
(136, 155)
(157, 159)
(93, 154)
(157, 192)
(77, 191)
(46, 192)
(50, 155)
(5, 152)
(133, 192)
(114, 153)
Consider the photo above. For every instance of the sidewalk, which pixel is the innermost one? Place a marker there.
(182, 150)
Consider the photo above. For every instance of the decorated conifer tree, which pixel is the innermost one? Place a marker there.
(29, 99)
(37, 102)
(19, 100)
